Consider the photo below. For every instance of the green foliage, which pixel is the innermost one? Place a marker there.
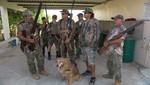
(17, 16)
(1, 26)
(14, 16)
(40, 16)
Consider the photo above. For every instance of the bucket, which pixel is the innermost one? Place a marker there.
(128, 50)
(13, 42)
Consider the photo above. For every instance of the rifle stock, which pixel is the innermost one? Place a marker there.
(102, 49)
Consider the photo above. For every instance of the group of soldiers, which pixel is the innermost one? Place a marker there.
(85, 34)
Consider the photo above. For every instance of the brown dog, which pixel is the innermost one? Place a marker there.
(68, 70)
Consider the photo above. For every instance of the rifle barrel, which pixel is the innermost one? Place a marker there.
(134, 26)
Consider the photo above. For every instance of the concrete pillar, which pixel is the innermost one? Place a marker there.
(5, 22)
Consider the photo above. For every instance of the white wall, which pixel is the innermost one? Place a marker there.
(5, 22)
(142, 50)
(127, 8)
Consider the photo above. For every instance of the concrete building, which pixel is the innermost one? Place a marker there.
(136, 73)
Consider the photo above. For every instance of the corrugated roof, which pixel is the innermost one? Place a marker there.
(59, 4)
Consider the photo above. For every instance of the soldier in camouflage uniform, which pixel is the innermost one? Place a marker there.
(66, 30)
(115, 50)
(44, 34)
(78, 30)
(89, 38)
(32, 53)
(53, 37)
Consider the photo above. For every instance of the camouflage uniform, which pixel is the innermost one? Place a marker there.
(114, 53)
(89, 38)
(44, 37)
(89, 35)
(66, 25)
(32, 53)
(53, 37)
(78, 30)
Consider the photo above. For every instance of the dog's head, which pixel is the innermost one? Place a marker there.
(63, 64)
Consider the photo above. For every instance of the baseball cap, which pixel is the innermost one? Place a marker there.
(80, 14)
(65, 11)
(54, 16)
(27, 13)
(118, 17)
(88, 10)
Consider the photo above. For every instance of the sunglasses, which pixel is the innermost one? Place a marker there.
(87, 13)
(63, 14)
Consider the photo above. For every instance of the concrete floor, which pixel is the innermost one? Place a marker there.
(14, 71)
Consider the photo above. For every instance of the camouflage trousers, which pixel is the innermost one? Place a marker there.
(67, 48)
(88, 55)
(44, 42)
(77, 42)
(53, 40)
(31, 57)
(114, 64)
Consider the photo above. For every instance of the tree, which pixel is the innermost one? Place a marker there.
(40, 16)
(14, 16)
(1, 26)
(17, 16)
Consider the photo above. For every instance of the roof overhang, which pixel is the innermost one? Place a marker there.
(59, 4)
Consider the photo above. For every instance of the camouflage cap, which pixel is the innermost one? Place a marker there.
(54, 16)
(118, 17)
(27, 13)
(88, 10)
(65, 11)
(80, 14)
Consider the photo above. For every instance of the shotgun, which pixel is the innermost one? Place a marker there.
(32, 32)
(102, 49)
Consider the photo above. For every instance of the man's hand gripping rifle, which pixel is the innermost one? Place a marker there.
(102, 49)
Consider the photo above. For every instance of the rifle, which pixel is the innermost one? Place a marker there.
(32, 32)
(102, 49)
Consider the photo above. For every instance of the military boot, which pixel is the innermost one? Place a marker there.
(117, 82)
(43, 50)
(36, 76)
(45, 73)
(110, 76)
(49, 55)
(58, 55)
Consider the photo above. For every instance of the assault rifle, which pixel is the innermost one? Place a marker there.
(102, 49)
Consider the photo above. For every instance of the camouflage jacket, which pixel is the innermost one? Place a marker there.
(44, 33)
(53, 27)
(25, 28)
(90, 32)
(79, 26)
(68, 24)
(112, 33)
